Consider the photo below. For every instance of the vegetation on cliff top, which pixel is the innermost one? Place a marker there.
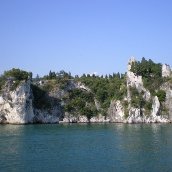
(16, 75)
(151, 73)
(152, 79)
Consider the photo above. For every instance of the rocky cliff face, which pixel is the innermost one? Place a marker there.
(116, 112)
(166, 70)
(21, 105)
(167, 87)
(137, 115)
(119, 113)
(16, 106)
(136, 81)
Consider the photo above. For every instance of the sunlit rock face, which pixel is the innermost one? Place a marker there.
(16, 106)
(137, 115)
(100, 118)
(70, 118)
(116, 112)
(166, 70)
(167, 87)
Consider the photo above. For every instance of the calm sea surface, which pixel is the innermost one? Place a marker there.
(84, 147)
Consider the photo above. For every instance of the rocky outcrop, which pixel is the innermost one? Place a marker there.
(116, 112)
(137, 115)
(136, 81)
(16, 106)
(81, 86)
(167, 87)
(166, 70)
(47, 117)
(69, 118)
(99, 119)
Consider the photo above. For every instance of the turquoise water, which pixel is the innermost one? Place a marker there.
(95, 147)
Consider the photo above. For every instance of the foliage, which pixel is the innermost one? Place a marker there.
(148, 106)
(161, 94)
(17, 74)
(59, 75)
(126, 110)
(138, 101)
(2, 81)
(80, 102)
(151, 73)
(106, 88)
(147, 68)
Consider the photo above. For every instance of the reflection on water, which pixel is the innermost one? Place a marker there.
(86, 147)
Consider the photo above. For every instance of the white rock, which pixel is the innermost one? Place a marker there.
(99, 118)
(166, 70)
(116, 112)
(136, 81)
(17, 105)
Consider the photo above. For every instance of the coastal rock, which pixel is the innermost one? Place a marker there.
(167, 87)
(16, 106)
(116, 111)
(46, 117)
(136, 81)
(137, 115)
(70, 118)
(99, 118)
(166, 70)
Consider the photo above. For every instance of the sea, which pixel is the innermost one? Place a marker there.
(86, 148)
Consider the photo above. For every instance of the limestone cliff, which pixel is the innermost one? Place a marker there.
(68, 100)
(130, 114)
(16, 105)
(136, 81)
(116, 112)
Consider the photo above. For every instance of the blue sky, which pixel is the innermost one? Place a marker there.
(83, 36)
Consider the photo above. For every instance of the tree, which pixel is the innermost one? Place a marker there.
(17, 74)
(52, 75)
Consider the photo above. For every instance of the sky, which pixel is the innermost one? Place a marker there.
(83, 36)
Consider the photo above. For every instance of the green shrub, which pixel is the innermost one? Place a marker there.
(80, 102)
(2, 82)
(17, 74)
(161, 94)
(151, 73)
